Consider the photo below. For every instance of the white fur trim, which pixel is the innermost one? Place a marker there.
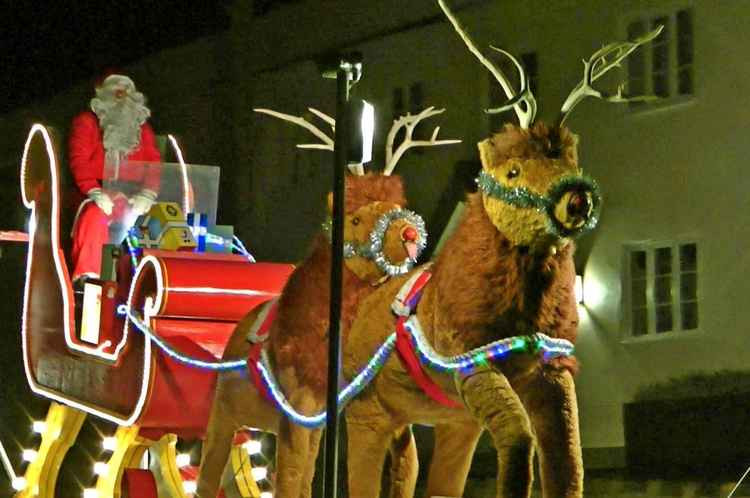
(252, 335)
(400, 307)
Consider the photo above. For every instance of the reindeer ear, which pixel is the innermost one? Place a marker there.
(485, 153)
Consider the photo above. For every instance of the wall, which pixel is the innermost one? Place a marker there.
(666, 171)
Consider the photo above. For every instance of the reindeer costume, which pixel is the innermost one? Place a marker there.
(298, 336)
(506, 271)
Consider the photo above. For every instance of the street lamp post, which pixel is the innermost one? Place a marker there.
(348, 72)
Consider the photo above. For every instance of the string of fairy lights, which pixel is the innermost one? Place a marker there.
(464, 363)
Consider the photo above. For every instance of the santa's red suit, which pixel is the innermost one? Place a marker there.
(86, 159)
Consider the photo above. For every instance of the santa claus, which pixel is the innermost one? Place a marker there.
(114, 132)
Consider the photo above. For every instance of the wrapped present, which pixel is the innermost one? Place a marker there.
(198, 223)
(165, 227)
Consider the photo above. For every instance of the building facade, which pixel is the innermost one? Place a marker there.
(665, 271)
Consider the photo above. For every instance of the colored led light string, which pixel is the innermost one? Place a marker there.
(132, 240)
(464, 363)
(360, 381)
(240, 247)
(173, 353)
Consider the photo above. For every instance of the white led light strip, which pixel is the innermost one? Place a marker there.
(186, 208)
(6, 463)
(66, 291)
(214, 290)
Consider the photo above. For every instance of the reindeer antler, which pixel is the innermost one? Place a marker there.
(515, 100)
(598, 65)
(327, 142)
(409, 122)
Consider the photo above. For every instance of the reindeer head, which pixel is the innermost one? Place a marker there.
(532, 187)
(381, 237)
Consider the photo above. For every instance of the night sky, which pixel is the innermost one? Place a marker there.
(48, 46)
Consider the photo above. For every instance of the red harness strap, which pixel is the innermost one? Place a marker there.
(257, 336)
(405, 302)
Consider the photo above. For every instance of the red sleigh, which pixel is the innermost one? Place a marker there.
(190, 300)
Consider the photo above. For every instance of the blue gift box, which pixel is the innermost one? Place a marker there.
(198, 223)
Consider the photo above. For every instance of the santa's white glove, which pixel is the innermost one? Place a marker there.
(142, 201)
(101, 199)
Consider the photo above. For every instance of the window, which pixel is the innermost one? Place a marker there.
(411, 101)
(497, 97)
(416, 98)
(397, 105)
(664, 67)
(415, 103)
(660, 288)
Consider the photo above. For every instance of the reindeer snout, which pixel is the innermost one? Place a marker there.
(409, 234)
(579, 205)
(575, 205)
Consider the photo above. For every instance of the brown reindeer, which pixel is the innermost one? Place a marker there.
(506, 271)
(298, 337)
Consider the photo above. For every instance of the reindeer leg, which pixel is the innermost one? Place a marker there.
(293, 442)
(404, 463)
(367, 444)
(224, 420)
(551, 402)
(492, 401)
(313, 450)
(451, 458)
(292, 454)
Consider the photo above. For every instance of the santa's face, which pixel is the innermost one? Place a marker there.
(121, 111)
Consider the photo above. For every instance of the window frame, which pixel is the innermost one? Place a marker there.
(647, 17)
(627, 304)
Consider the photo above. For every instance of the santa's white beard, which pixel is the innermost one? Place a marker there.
(120, 121)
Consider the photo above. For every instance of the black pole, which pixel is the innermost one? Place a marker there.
(340, 149)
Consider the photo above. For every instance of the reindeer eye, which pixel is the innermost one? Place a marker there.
(514, 172)
(355, 221)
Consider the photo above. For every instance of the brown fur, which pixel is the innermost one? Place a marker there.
(507, 292)
(300, 334)
(299, 337)
(298, 346)
(500, 274)
(366, 189)
(533, 159)
(533, 143)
